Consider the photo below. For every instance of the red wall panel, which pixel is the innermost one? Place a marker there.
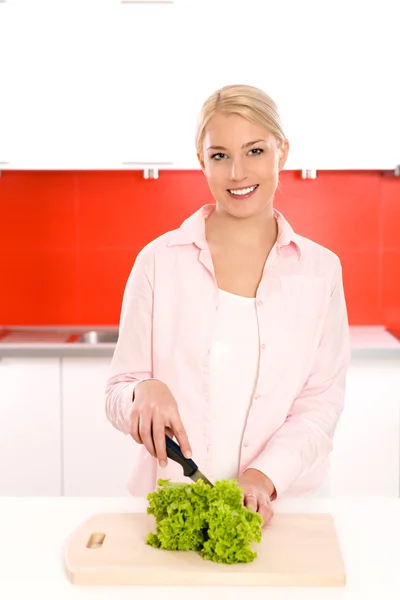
(69, 239)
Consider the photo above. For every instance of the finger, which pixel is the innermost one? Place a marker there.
(159, 438)
(266, 511)
(181, 436)
(145, 432)
(251, 501)
(134, 427)
(169, 432)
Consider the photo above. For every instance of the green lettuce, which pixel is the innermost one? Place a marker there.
(209, 520)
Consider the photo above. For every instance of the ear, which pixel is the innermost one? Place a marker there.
(201, 161)
(283, 151)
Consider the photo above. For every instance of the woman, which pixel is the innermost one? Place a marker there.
(233, 333)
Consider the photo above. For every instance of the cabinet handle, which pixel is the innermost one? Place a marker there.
(150, 170)
(308, 174)
(2, 162)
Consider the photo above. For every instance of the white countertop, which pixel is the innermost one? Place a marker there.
(33, 531)
(372, 336)
(367, 341)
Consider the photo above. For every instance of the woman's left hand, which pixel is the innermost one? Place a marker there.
(257, 493)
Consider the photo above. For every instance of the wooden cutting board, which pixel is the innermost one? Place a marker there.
(296, 550)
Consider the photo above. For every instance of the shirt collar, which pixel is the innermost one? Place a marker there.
(192, 231)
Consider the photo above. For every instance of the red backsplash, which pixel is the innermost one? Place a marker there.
(69, 239)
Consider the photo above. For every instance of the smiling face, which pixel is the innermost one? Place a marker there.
(241, 161)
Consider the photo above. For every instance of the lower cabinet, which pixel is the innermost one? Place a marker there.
(55, 438)
(30, 427)
(364, 460)
(96, 457)
(365, 457)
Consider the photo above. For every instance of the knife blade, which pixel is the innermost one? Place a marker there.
(190, 469)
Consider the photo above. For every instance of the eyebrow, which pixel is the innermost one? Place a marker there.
(244, 145)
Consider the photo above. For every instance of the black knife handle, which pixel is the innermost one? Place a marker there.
(174, 453)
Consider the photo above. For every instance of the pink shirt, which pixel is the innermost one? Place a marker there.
(166, 332)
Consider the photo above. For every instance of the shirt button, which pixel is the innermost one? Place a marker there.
(245, 444)
(262, 346)
(259, 302)
(257, 396)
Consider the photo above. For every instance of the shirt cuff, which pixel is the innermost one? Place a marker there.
(125, 407)
(279, 472)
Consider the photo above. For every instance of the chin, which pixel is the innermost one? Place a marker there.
(241, 211)
(242, 208)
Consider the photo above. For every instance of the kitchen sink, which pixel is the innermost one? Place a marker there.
(98, 337)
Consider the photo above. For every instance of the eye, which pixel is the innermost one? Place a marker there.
(217, 156)
(256, 151)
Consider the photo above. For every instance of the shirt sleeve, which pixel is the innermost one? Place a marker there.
(305, 439)
(132, 359)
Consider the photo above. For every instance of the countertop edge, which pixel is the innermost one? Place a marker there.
(371, 341)
(107, 350)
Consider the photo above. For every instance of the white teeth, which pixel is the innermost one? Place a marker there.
(243, 192)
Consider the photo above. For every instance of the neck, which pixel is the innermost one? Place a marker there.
(261, 228)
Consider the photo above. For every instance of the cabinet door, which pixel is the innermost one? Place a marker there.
(92, 84)
(330, 70)
(97, 457)
(145, 105)
(6, 87)
(61, 63)
(352, 92)
(30, 406)
(223, 43)
(365, 458)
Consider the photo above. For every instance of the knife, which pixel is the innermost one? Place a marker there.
(190, 469)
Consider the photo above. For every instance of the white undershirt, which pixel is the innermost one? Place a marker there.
(233, 373)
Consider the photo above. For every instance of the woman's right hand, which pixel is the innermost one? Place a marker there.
(154, 414)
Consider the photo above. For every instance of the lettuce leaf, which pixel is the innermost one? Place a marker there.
(205, 519)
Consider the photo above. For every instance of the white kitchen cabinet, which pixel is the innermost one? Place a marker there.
(97, 457)
(331, 70)
(365, 458)
(91, 85)
(145, 103)
(6, 90)
(239, 47)
(118, 85)
(351, 93)
(45, 91)
(30, 426)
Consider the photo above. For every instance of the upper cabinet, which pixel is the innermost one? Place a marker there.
(118, 84)
(235, 43)
(90, 85)
(143, 96)
(331, 68)
(350, 88)
(5, 88)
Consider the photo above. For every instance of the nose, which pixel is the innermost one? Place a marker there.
(237, 170)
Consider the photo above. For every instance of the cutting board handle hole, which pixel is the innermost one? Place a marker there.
(96, 541)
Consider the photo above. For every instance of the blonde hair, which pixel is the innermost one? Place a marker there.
(247, 101)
